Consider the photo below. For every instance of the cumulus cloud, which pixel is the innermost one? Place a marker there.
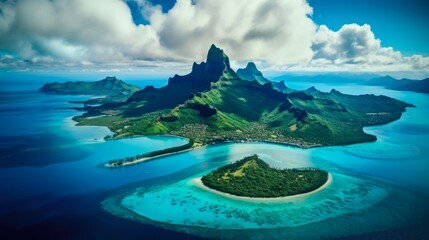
(73, 30)
(355, 45)
(146, 8)
(278, 34)
(102, 31)
(276, 30)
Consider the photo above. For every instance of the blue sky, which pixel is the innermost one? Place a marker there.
(166, 36)
(390, 20)
(402, 24)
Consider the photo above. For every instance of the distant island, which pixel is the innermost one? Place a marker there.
(114, 89)
(389, 82)
(420, 86)
(214, 104)
(252, 177)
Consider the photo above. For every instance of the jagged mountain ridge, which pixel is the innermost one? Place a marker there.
(251, 73)
(213, 104)
(181, 88)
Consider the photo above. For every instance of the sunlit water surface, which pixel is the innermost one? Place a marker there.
(45, 158)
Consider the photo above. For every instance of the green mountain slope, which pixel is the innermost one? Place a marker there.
(179, 88)
(213, 104)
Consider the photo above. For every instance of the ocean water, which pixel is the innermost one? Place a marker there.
(53, 184)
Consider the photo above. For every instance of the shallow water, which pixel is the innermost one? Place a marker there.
(352, 194)
(367, 178)
(46, 161)
(185, 204)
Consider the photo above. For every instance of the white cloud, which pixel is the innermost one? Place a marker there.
(146, 8)
(96, 30)
(278, 34)
(102, 31)
(277, 31)
(356, 47)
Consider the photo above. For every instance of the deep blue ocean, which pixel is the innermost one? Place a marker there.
(53, 184)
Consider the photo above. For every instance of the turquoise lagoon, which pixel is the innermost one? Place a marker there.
(376, 186)
(45, 161)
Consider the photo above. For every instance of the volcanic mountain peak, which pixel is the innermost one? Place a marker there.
(251, 73)
(216, 63)
(213, 104)
(217, 56)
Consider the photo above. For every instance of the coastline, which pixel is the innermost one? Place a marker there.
(209, 144)
(109, 165)
(198, 183)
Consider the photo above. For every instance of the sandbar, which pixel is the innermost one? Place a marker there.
(145, 159)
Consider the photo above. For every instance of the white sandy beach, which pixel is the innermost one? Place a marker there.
(197, 182)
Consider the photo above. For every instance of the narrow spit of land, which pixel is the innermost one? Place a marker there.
(151, 155)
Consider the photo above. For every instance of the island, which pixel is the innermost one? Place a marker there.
(252, 177)
(214, 104)
(111, 88)
(420, 86)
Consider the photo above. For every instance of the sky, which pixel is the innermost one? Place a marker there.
(400, 24)
(165, 36)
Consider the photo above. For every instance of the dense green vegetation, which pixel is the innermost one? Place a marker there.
(213, 104)
(252, 177)
(128, 160)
